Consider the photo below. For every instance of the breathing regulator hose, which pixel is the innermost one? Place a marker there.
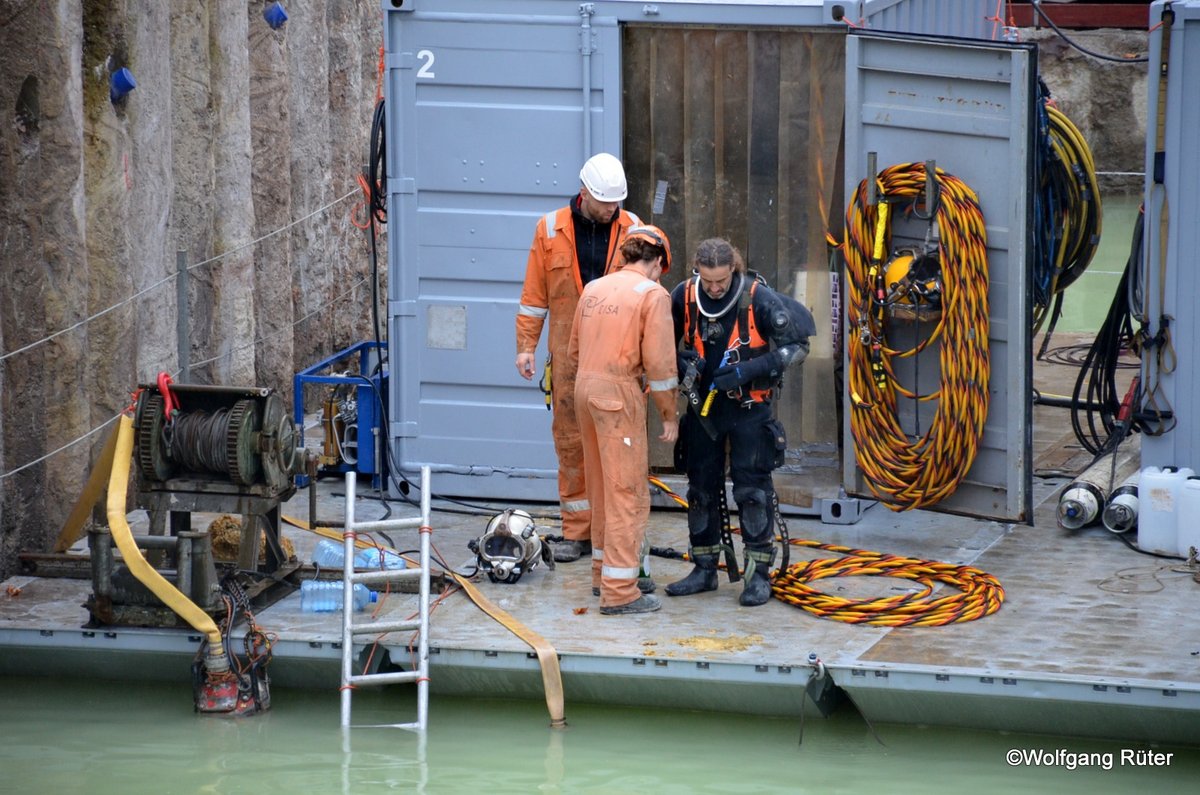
(912, 469)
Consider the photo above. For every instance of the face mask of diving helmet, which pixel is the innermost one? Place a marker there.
(510, 547)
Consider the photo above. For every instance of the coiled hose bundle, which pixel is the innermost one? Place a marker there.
(1067, 213)
(913, 471)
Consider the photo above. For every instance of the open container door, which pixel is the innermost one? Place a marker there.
(968, 105)
(486, 113)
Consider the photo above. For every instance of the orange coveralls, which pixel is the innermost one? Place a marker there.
(551, 290)
(623, 331)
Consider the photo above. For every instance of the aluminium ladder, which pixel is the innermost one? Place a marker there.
(352, 626)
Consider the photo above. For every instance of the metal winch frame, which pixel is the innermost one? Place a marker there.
(227, 450)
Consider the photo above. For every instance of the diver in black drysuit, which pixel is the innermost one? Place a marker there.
(724, 302)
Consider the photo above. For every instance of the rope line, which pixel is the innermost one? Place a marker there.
(345, 293)
(172, 277)
(254, 343)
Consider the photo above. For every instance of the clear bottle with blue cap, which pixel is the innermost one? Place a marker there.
(325, 596)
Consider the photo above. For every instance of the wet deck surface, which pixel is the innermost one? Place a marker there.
(1092, 637)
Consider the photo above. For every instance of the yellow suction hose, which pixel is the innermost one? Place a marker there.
(171, 596)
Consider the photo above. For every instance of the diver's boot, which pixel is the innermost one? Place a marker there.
(703, 576)
(757, 589)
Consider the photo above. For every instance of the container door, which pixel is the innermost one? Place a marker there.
(485, 128)
(969, 106)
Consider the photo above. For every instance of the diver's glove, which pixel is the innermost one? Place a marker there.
(732, 376)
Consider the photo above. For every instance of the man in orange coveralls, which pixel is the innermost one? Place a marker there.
(623, 332)
(571, 246)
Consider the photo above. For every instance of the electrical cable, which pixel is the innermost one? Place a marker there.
(404, 486)
(1096, 397)
(376, 178)
(169, 279)
(1037, 7)
(905, 472)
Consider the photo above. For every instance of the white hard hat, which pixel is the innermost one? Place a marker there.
(604, 178)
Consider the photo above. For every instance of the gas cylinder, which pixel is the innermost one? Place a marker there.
(1084, 497)
(1121, 513)
(1079, 505)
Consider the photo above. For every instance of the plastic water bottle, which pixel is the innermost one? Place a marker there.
(325, 596)
(369, 559)
(331, 554)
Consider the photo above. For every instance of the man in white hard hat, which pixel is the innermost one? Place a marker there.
(571, 246)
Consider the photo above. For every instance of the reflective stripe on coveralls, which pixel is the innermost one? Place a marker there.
(623, 330)
(550, 292)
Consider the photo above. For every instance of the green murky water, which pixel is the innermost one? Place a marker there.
(1086, 302)
(115, 737)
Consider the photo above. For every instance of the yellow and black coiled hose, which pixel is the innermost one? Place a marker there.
(904, 470)
(977, 593)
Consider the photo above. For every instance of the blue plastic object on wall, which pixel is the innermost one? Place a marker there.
(122, 83)
(275, 15)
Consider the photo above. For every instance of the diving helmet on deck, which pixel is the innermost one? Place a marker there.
(510, 547)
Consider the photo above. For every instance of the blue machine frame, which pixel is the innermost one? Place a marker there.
(370, 393)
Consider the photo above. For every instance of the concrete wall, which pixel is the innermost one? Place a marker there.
(234, 132)
(1105, 100)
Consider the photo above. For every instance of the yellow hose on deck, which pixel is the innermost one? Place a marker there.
(171, 596)
(546, 655)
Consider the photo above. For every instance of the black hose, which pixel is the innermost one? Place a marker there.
(376, 178)
(1096, 396)
(1037, 6)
